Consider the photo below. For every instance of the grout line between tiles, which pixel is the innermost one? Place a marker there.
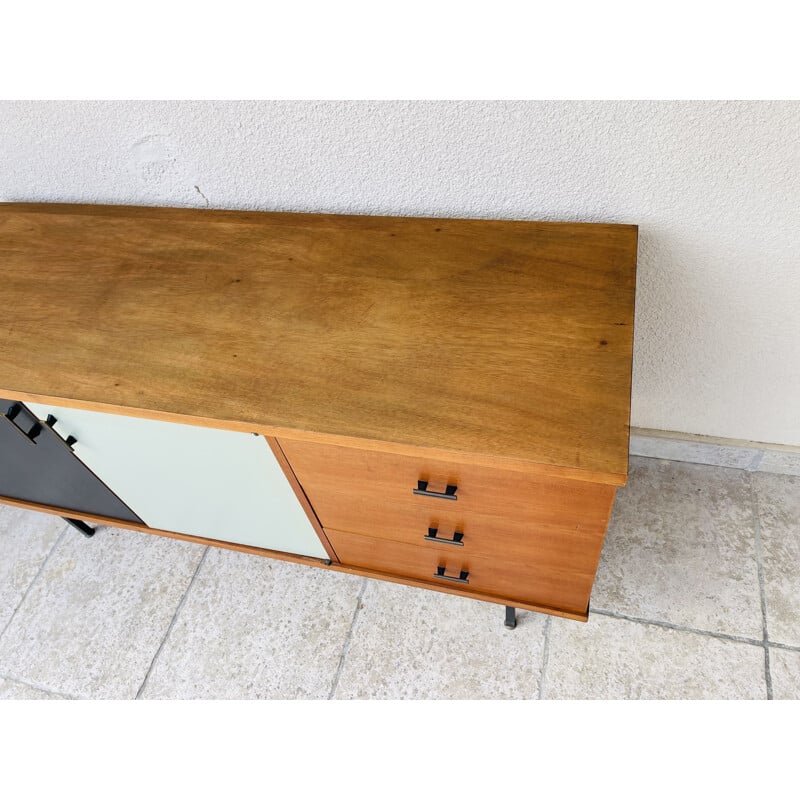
(545, 656)
(780, 646)
(171, 624)
(761, 583)
(346, 645)
(728, 637)
(35, 578)
(42, 688)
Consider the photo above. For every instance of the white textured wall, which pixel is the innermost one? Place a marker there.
(714, 187)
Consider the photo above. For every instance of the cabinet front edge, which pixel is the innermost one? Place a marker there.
(532, 467)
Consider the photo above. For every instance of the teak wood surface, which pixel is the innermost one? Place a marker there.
(349, 488)
(502, 540)
(503, 340)
(566, 589)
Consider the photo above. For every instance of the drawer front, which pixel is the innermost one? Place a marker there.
(476, 534)
(535, 584)
(348, 488)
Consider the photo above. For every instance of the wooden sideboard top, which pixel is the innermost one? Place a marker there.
(498, 339)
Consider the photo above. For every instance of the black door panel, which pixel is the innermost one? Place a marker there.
(37, 466)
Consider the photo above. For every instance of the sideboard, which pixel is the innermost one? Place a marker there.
(442, 403)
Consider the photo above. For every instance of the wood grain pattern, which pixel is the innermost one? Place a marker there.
(531, 583)
(580, 616)
(351, 488)
(498, 538)
(506, 340)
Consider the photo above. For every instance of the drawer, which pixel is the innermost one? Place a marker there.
(494, 537)
(349, 487)
(567, 590)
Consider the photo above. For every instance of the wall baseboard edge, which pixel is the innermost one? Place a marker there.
(718, 452)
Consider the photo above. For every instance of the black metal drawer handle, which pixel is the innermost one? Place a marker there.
(448, 494)
(463, 576)
(433, 536)
(69, 441)
(14, 416)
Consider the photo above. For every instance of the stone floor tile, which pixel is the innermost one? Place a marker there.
(418, 644)
(94, 618)
(784, 667)
(255, 627)
(779, 513)
(681, 548)
(614, 659)
(14, 690)
(781, 462)
(26, 538)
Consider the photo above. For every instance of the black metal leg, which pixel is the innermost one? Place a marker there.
(86, 530)
(511, 617)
